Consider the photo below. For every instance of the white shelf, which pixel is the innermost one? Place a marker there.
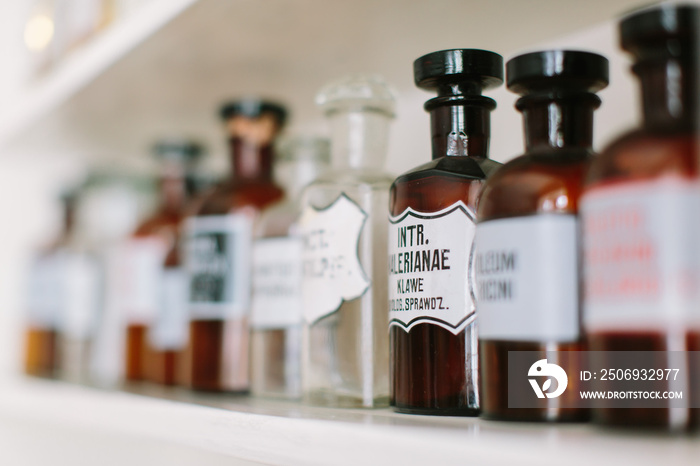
(273, 432)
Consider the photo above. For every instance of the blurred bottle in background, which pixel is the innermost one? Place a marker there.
(169, 330)
(218, 249)
(45, 299)
(109, 211)
(640, 224)
(345, 360)
(529, 209)
(83, 283)
(276, 302)
(144, 253)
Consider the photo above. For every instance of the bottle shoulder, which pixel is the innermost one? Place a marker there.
(441, 183)
(548, 181)
(468, 168)
(643, 154)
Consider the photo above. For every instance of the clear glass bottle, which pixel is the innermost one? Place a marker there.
(168, 331)
(433, 210)
(529, 210)
(218, 244)
(343, 226)
(144, 252)
(276, 318)
(639, 217)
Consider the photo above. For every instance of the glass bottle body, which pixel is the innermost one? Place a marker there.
(657, 163)
(345, 352)
(143, 256)
(276, 333)
(167, 336)
(545, 184)
(218, 346)
(434, 370)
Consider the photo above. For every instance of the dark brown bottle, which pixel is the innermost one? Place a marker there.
(432, 327)
(218, 245)
(145, 251)
(169, 329)
(45, 300)
(639, 214)
(527, 240)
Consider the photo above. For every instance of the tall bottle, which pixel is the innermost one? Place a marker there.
(45, 300)
(168, 331)
(218, 245)
(527, 240)
(639, 213)
(433, 209)
(143, 254)
(276, 318)
(344, 233)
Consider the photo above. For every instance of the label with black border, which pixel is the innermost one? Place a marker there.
(430, 257)
(332, 272)
(218, 264)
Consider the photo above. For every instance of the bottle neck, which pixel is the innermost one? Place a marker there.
(461, 130)
(359, 139)
(250, 161)
(669, 94)
(553, 122)
(172, 185)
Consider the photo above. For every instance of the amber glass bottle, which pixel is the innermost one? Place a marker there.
(218, 246)
(45, 300)
(145, 251)
(639, 213)
(168, 331)
(432, 326)
(527, 262)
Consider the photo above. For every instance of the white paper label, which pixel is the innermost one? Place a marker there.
(527, 278)
(218, 260)
(171, 327)
(141, 264)
(83, 291)
(332, 272)
(45, 291)
(276, 283)
(429, 264)
(641, 255)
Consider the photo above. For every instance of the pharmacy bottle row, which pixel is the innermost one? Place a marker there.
(311, 274)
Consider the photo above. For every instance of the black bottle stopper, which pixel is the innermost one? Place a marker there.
(556, 72)
(662, 31)
(253, 108)
(459, 76)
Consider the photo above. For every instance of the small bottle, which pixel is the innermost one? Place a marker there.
(218, 246)
(433, 212)
(45, 300)
(169, 329)
(527, 240)
(345, 354)
(144, 252)
(276, 318)
(639, 218)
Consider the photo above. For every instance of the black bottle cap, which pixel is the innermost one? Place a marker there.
(253, 108)
(184, 149)
(459, 72)
(557, 70)
(652, 28)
